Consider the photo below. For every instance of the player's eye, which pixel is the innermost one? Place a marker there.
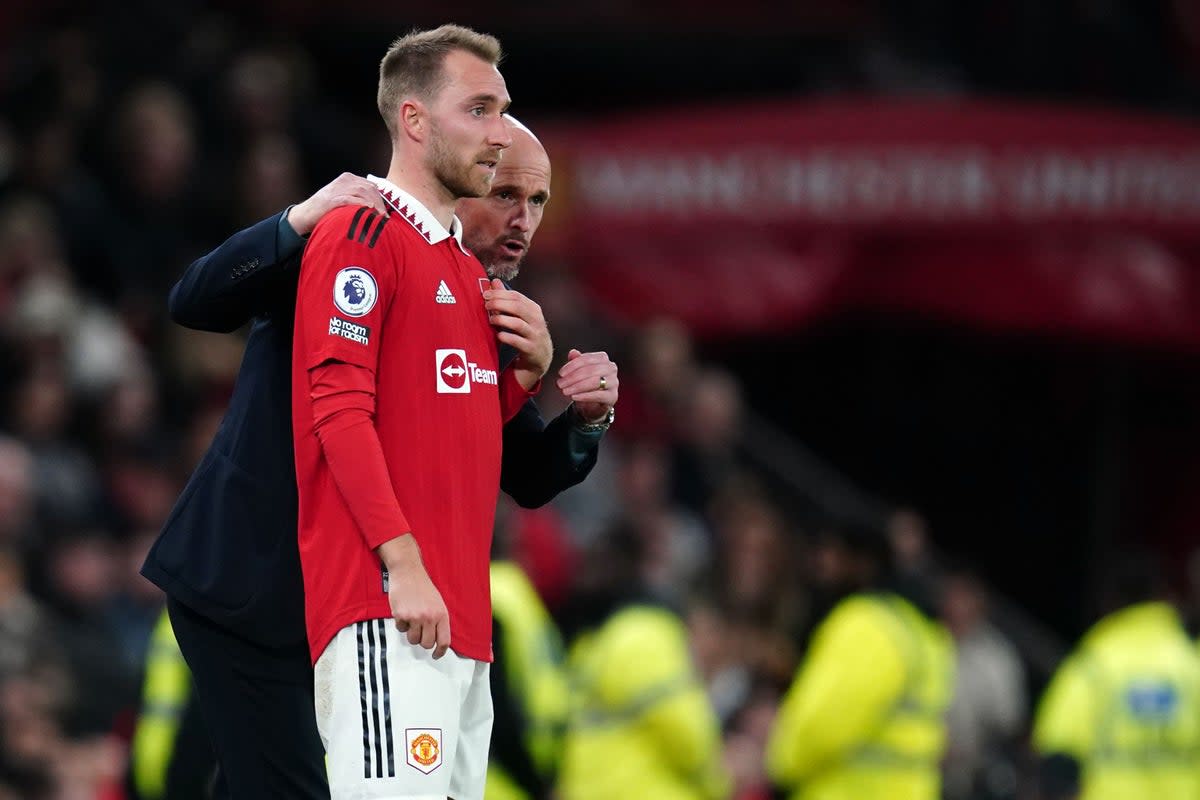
(538, 200)
(477, 111)
(504, 195)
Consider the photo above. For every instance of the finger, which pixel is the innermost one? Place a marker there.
(587, 381)
(587, 360)
(498, 285)
(528, 314)
(365, 196)
(428, 636)
(519, 305)
(371, 197)
(524, 345)
(607, 395)
(511, 324)
(581, 369)
(414, 633)
(402, 625)
(352, 200)
(443, 638)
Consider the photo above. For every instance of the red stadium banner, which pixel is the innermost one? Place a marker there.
(874, 164)
(750, 219)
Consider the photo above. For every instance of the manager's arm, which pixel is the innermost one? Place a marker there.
(226, 288)
(541, 460)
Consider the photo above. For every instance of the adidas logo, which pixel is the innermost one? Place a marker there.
(443, 294)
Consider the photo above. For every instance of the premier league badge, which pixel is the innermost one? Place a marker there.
(355, 291)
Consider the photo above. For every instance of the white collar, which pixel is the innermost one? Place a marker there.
(416, 214)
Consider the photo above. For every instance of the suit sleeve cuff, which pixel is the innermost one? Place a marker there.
(582, 444)
(287, 241)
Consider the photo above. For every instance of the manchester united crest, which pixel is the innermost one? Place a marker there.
(424, 748)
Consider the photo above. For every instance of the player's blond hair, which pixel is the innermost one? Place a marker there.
(414, 65)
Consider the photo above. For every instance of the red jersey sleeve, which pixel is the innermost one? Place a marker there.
(513, 395)
(343, 418)
(348, 277)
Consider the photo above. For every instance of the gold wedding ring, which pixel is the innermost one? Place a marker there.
(603, 383)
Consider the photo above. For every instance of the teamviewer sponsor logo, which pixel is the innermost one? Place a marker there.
(349, 330)
(452, 372)
(455, 374)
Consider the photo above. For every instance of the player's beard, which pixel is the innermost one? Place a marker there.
(459, 179)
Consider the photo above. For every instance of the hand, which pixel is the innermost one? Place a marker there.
(579, 380)
(521, 325)
(346, 189)
(417, 605)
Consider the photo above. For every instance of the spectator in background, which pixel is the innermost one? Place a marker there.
(677, 541)
(641, 724)
(159, 211)
(663, 370)
(720, 661)
(32, 737)
(135, 603)
(988, 711)
(754, 580)
(746, 738)
(78, 575)
(65, 480)
(1121, 717)
(268, 178)
(29, 247)
(27, 640)
(916, 572)
(864, 718)
(707, 429)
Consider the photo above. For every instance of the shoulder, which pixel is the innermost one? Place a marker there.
(355, 227)
(859, 609)
(859, 619)
(641, 628)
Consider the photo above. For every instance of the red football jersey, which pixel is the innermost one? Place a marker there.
(402, 298)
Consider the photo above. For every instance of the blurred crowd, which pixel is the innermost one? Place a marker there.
(114, 174)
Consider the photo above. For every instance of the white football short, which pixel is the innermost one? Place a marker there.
(398, 724)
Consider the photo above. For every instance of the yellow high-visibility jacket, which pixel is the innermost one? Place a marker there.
(641, 725)
(1126, 706)
(533, 666)
(165, 694)
(864, 717)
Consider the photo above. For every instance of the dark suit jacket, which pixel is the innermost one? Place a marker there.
(229, 549)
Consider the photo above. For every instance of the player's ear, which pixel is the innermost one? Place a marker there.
(414, 119)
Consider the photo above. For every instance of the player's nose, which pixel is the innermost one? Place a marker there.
(499, 135)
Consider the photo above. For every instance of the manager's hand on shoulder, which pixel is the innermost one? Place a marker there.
(346, 189)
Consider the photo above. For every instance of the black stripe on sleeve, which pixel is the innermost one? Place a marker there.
(354, 222)
(362, 234)
(375, 693)
(387, 700)
(378, 230)
(362, 703)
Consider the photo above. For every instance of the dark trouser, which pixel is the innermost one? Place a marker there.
(257, 704)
